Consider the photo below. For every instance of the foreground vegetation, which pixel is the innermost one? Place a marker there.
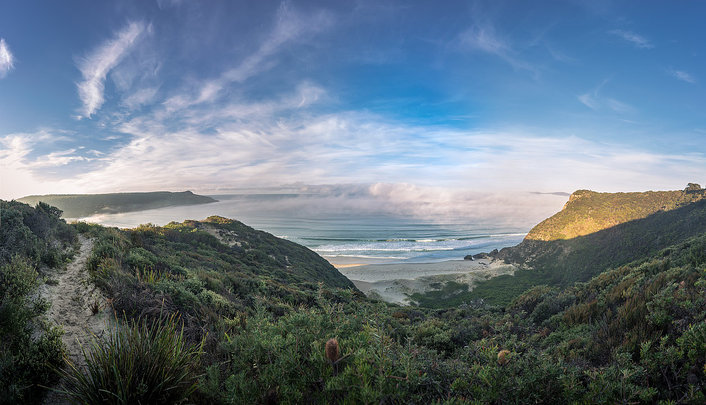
(31, 241)
(136, 364)
(255, 313)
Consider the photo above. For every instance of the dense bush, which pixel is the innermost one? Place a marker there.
(631, 334)
(37, 234)
(31, 240)
(29, 348)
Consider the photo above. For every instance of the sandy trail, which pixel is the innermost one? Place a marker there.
(73, 299)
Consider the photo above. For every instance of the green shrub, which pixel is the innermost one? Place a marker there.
(28, 346)
(137, 363)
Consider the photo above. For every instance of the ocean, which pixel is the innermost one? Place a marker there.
(343, 233)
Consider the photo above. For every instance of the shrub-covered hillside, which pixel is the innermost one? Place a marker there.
(588, 212)
(259, 327)
(204, 270)
(31, 241)
(565, 261)
(635, 334)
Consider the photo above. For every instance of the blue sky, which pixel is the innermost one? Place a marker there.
(415, 98)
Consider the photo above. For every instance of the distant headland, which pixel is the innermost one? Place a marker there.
(84, 205)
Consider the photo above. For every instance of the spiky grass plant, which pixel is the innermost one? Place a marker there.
(137, 363)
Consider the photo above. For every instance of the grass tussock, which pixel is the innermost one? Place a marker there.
(138, 363)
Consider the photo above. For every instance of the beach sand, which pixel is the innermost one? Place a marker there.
(341, 262)
(395, 282)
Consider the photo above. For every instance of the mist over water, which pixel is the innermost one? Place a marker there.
(355, 229)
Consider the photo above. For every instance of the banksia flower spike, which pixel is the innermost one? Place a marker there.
(503, 357)
(332, 351)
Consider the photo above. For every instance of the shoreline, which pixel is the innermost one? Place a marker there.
(396, 282)
(342, 262)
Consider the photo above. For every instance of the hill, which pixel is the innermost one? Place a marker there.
(84, 205)
(561, 250)
(215, 312)
(587, 211)
(204, 269)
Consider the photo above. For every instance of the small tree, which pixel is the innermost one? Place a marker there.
(693, 188)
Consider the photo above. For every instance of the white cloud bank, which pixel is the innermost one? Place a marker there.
(350, 148)
(96, 65)
(7, 60)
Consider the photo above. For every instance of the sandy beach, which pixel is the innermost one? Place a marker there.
(342, 262)
(396, 281)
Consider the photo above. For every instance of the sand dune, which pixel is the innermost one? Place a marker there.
(395, 282)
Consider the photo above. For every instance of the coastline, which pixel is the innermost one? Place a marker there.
(395, 282)
(342, 262)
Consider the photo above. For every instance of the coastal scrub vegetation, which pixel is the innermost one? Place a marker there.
(588, 212)
(31, 240)
(136, 364)
(566, 261)
(261, 311)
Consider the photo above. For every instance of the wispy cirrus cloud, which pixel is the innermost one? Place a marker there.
(589, 100)
(483, 37)
(140, 97)
(596, 101)
(95, 66)
(682, 75)
(633, 38)
(7, 60)
(290, 26)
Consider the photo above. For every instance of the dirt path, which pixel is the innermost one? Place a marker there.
(73, 307)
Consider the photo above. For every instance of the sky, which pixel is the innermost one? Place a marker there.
(406, 99)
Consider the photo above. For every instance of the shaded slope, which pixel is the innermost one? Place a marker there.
(83, 205)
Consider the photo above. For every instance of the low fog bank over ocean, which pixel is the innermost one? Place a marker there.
(376, 226)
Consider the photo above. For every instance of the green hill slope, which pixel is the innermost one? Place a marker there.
(205, 269)
(83, 205)
(587, 211)
(547, 256)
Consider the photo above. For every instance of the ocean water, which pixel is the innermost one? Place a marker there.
(344, 233)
